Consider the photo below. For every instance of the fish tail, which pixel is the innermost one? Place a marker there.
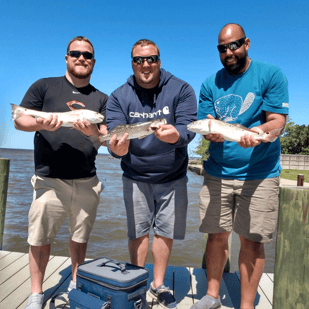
(17, 111)
(95, 140)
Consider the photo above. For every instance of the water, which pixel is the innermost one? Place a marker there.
(108, 237)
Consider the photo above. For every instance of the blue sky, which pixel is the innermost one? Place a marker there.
(35, 35)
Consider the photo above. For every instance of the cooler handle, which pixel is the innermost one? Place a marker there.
(121, 265)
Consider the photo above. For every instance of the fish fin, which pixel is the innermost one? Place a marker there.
(120, 126)
(237, 125)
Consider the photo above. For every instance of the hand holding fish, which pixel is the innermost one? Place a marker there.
(167, 133)
(119, 147)
(213, 137)
(49, 124)
(86, 127)
(247, 140)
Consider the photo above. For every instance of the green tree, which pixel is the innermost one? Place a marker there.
(295, 139)
(202, 148)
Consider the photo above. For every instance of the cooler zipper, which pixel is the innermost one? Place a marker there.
(109, 285)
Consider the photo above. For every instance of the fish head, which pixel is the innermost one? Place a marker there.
(199, 126)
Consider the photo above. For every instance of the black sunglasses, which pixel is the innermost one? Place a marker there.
(77, 54)
(149, 59)
(232, 46)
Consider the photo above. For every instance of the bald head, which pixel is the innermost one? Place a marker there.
(234, 48)
(231, 30)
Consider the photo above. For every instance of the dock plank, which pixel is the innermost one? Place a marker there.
(18, 287)
(4, 253)
(271, 276)
(9, 259)
(182, 287)
(14, 267)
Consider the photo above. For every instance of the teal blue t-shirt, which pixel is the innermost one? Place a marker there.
(244, 99)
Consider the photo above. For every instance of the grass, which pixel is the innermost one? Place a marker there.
(292, 174)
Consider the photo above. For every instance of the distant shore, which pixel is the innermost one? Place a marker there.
(196, 167)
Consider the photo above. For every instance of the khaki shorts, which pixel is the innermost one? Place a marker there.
(250, 207)
(54, 199)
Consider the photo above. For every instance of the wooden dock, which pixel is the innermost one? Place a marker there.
(188, 284)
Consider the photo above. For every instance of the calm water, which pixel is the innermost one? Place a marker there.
(108, 237)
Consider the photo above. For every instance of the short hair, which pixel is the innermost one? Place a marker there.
(145, 42)
(80, 38)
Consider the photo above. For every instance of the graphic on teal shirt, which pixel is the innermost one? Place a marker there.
(229, 107)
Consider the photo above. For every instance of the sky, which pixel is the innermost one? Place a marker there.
(35, 34)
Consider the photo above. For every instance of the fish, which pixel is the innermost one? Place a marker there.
(67, 118)
(135, 130)
(230, 131)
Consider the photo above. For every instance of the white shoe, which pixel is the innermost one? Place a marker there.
(71, 286)
(35, 301)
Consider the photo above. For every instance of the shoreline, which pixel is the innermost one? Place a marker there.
(198, 169)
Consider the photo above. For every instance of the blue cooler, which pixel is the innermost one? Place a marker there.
(80, 300)
(121, 285)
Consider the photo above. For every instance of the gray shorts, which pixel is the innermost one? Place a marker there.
(162, 205)
(54, 199)
(250, 207)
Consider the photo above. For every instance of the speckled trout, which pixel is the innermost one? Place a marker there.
(67, 118)
(135, 130)
(229, 131)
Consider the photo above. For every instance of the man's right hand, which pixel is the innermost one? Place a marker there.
(49, 124)
(119, 147)
(214, 137)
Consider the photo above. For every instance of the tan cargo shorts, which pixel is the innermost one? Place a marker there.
(54, 199)
(249, 207)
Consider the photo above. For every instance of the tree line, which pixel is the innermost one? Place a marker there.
(294, 140)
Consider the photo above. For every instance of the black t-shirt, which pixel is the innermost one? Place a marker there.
(65, 153)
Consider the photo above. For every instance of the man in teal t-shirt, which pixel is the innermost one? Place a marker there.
(241, 185)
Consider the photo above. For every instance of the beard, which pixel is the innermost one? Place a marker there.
(235, 68)
(80, 75)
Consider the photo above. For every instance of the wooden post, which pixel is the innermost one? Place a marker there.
(4, 179)
(291, 278)
(300, 180)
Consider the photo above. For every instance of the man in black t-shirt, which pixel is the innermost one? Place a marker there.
(65, 181)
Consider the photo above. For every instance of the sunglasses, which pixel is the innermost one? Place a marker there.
(231, 46)
(149, 59)
(77, 54)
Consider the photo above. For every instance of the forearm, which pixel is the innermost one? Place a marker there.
(273, 122)
(27, 123)
(185, 136)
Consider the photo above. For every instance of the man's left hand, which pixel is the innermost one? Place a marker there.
(167, 133)
(247, 140)
(86, 127)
